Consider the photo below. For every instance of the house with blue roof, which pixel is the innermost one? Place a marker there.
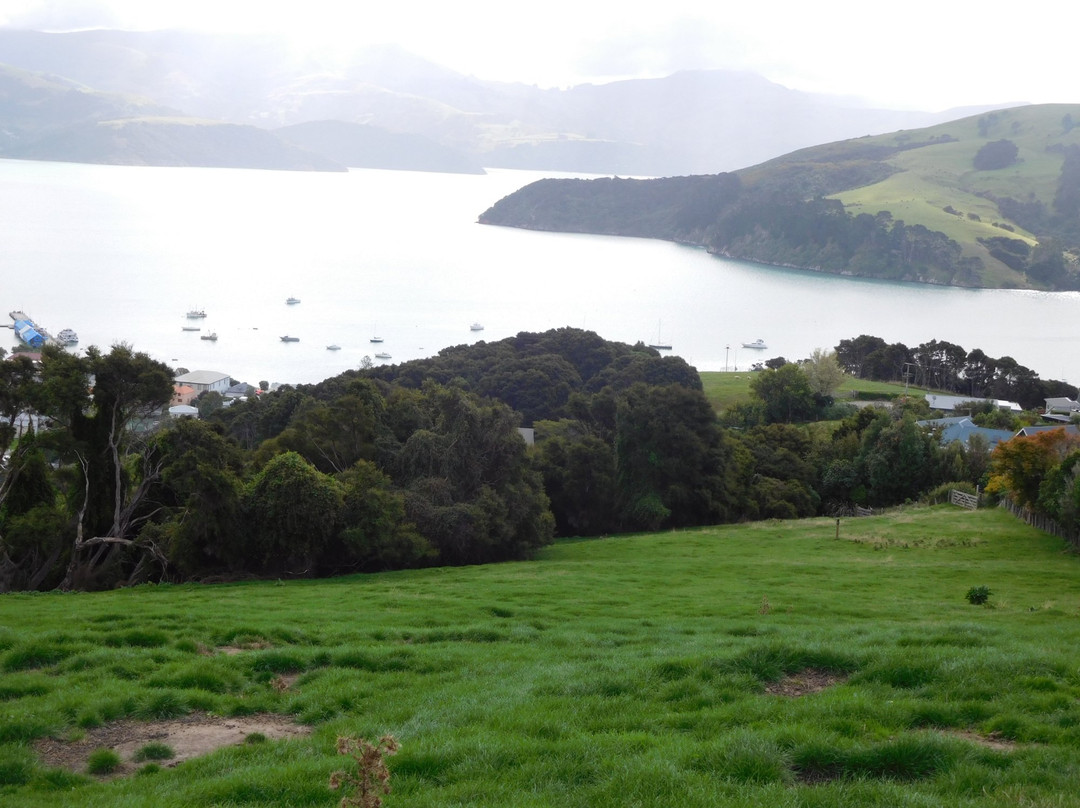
(961, 428)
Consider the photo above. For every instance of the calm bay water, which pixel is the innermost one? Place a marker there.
(121, 253)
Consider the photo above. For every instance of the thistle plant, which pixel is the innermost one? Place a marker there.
(371, 779)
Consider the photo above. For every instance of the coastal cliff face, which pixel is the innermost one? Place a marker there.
(912, 206)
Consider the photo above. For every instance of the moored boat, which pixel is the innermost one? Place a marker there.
(292, 301)
(382, 355)
(476, 327)
(333, 347)
(212, 336)
(67, 336)
(194, 314)
(191, 328)
(758, 344)
(290, 339)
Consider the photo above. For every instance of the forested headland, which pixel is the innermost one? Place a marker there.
(424, 463)
(987, 201)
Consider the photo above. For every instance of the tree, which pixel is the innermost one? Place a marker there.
(375, 531)
(996, 154)
(1019, 466)
(579, 477)
(200, 491)
(104, 427)
(899, 461)
(471, 488)
(823, 371)
(671, 460)
(786, 394)
(291, 514)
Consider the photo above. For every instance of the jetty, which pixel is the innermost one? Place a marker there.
(36, 336)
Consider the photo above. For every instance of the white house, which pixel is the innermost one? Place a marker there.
(950, 403)
(203, 380)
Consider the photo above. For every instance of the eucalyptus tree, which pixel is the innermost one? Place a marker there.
(105, 405)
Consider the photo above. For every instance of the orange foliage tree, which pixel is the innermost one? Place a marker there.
(1019, 466)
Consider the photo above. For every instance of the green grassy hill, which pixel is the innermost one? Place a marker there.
(961, 225)
(933, 178)
(753, 665)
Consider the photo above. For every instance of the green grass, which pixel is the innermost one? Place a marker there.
(942, 175)
(724, 389)
(626, 671)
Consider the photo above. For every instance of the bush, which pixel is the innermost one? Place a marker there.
(102, 761)
(154, 751)
(978, 595)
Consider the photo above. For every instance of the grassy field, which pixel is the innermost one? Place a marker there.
(757, 665)
(724, 389)
(943, 175)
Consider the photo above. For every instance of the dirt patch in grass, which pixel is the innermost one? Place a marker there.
(233, 650)
(805, 682)
(989, 741)
(188, 737)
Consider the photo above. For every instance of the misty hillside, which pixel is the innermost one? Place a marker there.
(693, 122)
(991, 200)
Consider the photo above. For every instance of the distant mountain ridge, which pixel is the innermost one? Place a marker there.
(991, 200)
(692, 122)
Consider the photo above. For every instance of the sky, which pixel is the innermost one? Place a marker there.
(918, 54)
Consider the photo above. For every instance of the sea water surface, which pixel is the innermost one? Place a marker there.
(121, 253)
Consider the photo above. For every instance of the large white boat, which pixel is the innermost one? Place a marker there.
(196, 313)
(292, 301)
(382, 355)
(758, 344)
(67, 337)
(476, 327)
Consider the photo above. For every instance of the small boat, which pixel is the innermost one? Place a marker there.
(212, 336)
(333, 347)
(290, 339)
(758, 344)
(382, 355)
(659, 345)
(292, 301)
(476, 327)
(68, 337)
(191, 328)
(376, 339)
(196, 313)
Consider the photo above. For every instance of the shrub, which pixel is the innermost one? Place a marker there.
(978, 595)
(102, 761)
(154, 751)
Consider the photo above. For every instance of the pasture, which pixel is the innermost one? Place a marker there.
(768, 664)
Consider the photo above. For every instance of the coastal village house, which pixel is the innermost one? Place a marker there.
(961, 428)
(1061, 409)
(202, 380)
(182, 395)
(950, 403)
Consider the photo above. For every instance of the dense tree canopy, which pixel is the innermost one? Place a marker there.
(424, 462)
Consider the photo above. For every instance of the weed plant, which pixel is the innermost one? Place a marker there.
(636, 670)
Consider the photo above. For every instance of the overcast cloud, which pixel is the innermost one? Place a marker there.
(920, 54)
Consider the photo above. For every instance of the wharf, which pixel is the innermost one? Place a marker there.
(30, 332)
